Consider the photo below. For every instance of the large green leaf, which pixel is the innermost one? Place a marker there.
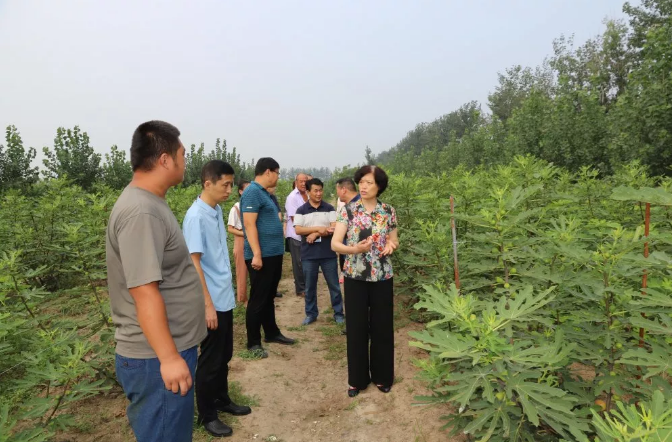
(657, 195)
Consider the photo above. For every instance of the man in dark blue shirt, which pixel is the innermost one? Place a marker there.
(315, 221)
(264, 249)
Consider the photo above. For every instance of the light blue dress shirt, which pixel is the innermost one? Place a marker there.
(204, 231)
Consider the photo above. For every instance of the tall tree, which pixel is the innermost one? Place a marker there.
(15, 161)
(642, 123)
(117, 171)
(601, 65)
(515, 86)
(643, 18)
(369, 158)
(73, 157)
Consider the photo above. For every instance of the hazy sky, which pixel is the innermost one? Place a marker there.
(310, 83)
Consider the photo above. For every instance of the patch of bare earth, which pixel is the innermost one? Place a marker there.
(299, 393)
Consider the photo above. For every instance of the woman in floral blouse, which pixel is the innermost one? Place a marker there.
(369, 228)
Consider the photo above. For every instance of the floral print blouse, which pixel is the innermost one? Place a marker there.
(369, 266)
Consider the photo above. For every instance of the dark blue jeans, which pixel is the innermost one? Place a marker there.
(156, 414)
(330, 271)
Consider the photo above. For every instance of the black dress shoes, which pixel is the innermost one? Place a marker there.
(218, 428)
(281, 339)
(231, 408)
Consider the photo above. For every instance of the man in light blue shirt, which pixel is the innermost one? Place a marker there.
(205, 234)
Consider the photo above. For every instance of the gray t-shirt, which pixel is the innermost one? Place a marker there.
(144, 243)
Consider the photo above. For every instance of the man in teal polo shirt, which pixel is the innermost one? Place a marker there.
(264, 250)
(205, 235)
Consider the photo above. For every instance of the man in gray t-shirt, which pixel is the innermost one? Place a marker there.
(155, 292)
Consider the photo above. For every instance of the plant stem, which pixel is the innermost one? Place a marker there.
(58, 402)
(26, 306)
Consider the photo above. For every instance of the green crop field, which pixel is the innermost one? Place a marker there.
(535, 252)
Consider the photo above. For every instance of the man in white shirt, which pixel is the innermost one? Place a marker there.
(297, 198)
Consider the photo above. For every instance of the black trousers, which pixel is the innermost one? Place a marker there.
(297, 267)
(370, 318)
(212, 369)
(261, 305)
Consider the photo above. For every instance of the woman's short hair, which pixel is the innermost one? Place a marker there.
(242, 184)
(379, 176)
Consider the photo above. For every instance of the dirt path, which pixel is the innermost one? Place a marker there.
(299, 393)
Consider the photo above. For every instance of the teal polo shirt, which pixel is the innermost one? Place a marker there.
(204, 232)
(256, 199)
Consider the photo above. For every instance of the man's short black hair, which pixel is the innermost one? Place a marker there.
(379, 176)
(214, 169)
(151, 140)
(314, 182)
(242, 183)
(264, 164)
(347, 183)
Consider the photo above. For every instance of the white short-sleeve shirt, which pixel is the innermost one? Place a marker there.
(234, 217)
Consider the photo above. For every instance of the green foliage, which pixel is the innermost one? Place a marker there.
(644, 114)
(435, 135)
(15, 162)
(56, 335)
(117, 171)
(550, 304)
(197, 157)
(646, 422)
(73, 158)
(601, 104)
(515, 86)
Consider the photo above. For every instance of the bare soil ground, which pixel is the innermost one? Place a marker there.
(299, 393)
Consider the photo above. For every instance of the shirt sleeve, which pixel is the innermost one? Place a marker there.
(292, 204)
(299, 217)
(192, 228)
(142, 240)
(251, 201)
(234, 219)
(392, 221)
(342, 216)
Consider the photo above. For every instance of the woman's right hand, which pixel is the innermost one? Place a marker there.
(364, 245)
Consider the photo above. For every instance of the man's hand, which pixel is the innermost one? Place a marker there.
(324, 231)
(330, 230)
(364, 245)
(256, 262)
(312, 237)
(211, 316)
(176, 376)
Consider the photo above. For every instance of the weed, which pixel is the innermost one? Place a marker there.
(250, 355)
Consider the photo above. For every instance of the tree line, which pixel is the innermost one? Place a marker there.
(72, 157)
(601, 104)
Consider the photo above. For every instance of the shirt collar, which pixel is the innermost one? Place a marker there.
(212, 211)
(360, 206)
(318, 207)
(296, 194)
